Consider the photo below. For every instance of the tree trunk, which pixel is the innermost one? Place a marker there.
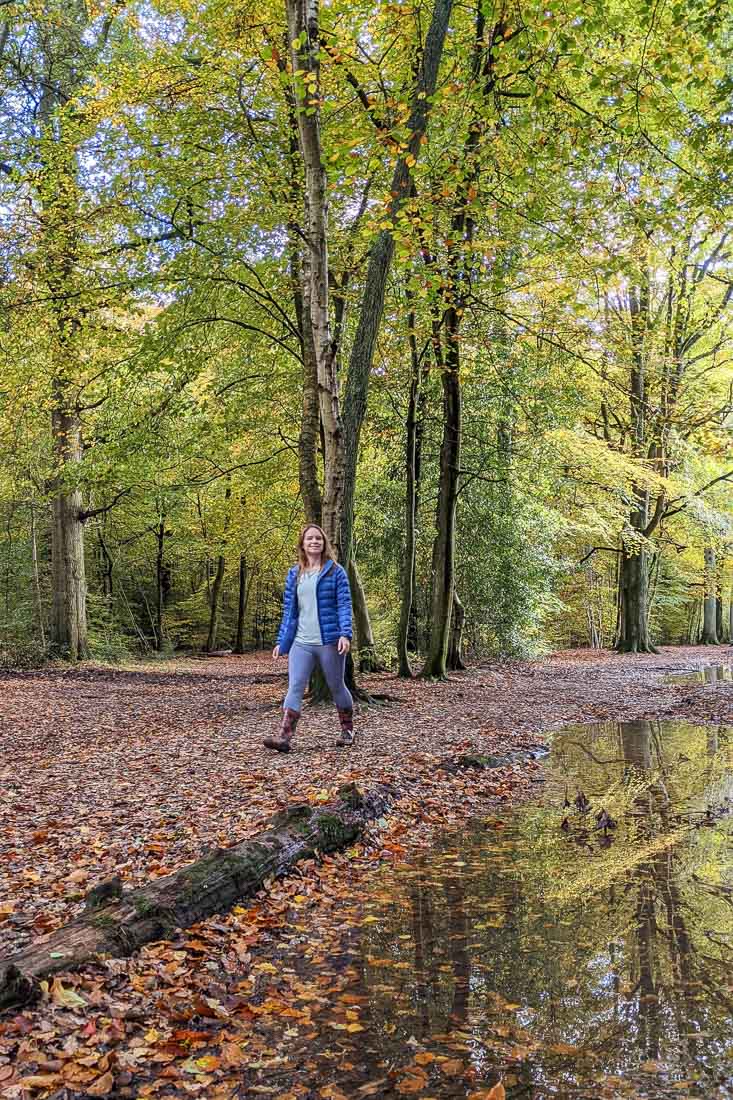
(444, 546)
(162, 584)
(310, 422)
(304, 33)
(108, 568)
(634, 596)
(215, 601)
(411, 502)
(456, 286)
(242, 604)
(362, 623)
(211, 885)
(37, 579)
(458, 619)
(380, 260)
(68, 634)
(710, 604)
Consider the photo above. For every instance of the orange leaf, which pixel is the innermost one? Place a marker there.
(410, 1084)
(496, 1092)
(452, 1067)
(232, 1054)
(102, 1086)
(425, 1058)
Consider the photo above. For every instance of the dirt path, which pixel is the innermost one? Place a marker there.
(137, 771)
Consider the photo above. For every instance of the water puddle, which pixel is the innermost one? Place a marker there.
(710, 674)
(577, 948)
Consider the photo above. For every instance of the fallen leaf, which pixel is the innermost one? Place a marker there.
(452, 1067)
(409, 1085)
(67, 998)
(102, 1086)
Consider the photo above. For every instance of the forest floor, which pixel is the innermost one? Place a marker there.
(137, 770)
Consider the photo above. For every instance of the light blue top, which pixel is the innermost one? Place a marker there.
(309, 628)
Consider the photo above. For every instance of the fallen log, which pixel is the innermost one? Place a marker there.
(481, 762)
(128, 919)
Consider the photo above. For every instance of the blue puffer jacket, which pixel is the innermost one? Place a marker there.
(333, 597)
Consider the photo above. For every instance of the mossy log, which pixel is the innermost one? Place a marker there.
(490, 762)
(213, 884)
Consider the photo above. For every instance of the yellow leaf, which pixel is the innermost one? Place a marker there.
(208, 1062)
(354, 1027)
(67, 998)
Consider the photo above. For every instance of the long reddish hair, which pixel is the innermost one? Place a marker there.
(328, 553)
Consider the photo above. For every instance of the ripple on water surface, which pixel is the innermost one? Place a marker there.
(560, 958)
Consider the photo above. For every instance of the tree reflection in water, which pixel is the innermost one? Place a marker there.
(578, 967)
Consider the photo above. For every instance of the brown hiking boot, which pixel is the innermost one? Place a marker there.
(346, 718)
(281, 742)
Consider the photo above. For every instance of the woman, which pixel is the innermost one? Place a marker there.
(315, 629)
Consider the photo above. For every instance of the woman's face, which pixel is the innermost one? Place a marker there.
(313, 542)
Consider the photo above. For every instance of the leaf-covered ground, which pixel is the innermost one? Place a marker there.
(138, 771)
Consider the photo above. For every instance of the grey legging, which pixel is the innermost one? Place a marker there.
(302, 659)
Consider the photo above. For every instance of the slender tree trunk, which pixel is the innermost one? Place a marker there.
(215, 604)
(108, 568)
(455, 644)
(69, 613)
(411, 488)
(457, 282)
(37, 579)
(710, 604)
(365, 643)
(310, 422)
(303, 29)
(162, 584)
(380, 260)
(444, 546)
(242, 604)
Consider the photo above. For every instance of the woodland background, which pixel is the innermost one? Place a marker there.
(453, 278)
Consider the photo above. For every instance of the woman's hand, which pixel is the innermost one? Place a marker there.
(276, 653)
(344, 645)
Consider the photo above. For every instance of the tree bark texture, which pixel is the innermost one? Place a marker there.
(413, 446)
(37, 578)
(58, 202)
(242, 604)
(455, 644)
(444, 546)
(215, 603)
(211, 885)
(68, 634)
(456, 282)
(365, 644)
(710, 602)
(310, 421)
(634, 634)
(303, 28)
(162, 584)
(380, 260)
